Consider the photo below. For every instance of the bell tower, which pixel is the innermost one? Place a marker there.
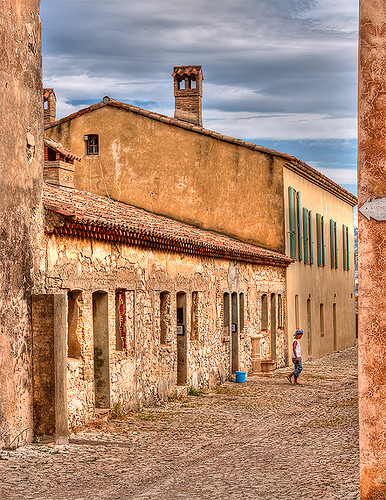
(188, 93)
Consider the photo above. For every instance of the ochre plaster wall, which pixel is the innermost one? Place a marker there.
(179, 173)
(146, 370)
(322, 285)
(372, 249)
(21, 164)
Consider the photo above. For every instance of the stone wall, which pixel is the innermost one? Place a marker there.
(142, 369)
(372, 249)
(21, 163)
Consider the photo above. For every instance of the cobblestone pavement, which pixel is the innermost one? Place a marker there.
(265, 439)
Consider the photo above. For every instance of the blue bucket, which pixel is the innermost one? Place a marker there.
(240, 377)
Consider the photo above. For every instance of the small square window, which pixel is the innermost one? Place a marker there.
(92, 145)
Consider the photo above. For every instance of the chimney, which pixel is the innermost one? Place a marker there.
(188, 93)
(49, 106)
(58, 164)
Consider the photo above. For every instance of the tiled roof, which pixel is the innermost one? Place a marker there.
(91, 216)
(57, 146)
(293, 163)
(187, 70)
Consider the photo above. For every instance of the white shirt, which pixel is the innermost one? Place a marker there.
(297, 348)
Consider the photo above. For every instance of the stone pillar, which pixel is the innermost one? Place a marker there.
(49, 327)
(372, 248)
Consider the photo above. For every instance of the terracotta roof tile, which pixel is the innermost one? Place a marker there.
(92, 216)
(57, 146)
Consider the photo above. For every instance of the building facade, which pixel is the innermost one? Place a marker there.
(151, 303)
(177, 168)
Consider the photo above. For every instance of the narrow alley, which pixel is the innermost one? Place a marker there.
(265, 439)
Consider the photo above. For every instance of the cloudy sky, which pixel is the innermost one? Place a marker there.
(280, 73)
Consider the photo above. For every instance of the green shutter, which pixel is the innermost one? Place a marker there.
(336, 244)
(318, 240)
(311, 237)
(323, 245)
(305, 234)
(344, 247)
(300, 232)
(347, 249)
(332, 244)
(291, 205)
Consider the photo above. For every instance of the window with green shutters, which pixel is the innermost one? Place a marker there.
(323, 245)
(318, 239)
(311, 237)
(300, 231)
(332, 243)
(292, 228)
(346, 251)
(305, 235)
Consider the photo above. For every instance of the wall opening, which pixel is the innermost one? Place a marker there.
(264, 312)
(101, 349)
(321, 319)
(120, 320)
(182, 365)
(74, 324)
(165, 319)
(91, 144)
(226, 314)
(242, 311)
(194, 332)
(309, 327)
(235, 333)
(280, 315)
(273, 326)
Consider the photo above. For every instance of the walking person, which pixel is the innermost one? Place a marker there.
(296, 357)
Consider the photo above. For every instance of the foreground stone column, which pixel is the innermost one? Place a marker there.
(372, 248)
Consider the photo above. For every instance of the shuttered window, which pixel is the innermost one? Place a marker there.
(318, 240)
(311, 237)
(332, 243)
(346, 250)
(305, 235)
(300, 230)
(292, 230)
(323, 245)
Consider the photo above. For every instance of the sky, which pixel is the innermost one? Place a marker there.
(279, 73)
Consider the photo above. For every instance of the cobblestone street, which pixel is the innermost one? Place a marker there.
(265, 439)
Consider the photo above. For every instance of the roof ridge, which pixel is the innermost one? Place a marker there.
(314, 174)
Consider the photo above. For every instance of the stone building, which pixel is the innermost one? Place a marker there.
(21, 161)
(145, 303)
(176, 168)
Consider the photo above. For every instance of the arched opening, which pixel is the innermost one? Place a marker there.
(101, 349)
(182, 367)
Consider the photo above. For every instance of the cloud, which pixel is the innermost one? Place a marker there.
(273, 69)
(340, 175)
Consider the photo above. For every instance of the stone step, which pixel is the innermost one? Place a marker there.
(102, 414)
